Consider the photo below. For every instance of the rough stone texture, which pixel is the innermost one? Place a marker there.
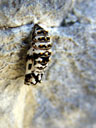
(67, 96)
(19, 12)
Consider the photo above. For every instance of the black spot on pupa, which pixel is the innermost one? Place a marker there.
(47, 38)
(49, 53)
(36, 77)
(29, 57)
(42, 46)
(42, 32)
(41, 68)
(41, 38)
(45, 59)
(49, 45)
(27, 77)
(29, 66)
(35, 56)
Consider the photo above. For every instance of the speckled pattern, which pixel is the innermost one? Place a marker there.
(38, 56)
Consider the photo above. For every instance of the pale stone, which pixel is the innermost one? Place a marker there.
(66, 98)
(19, 12)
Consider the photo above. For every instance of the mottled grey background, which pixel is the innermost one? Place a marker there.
(67, 96)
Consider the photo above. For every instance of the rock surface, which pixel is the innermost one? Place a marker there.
(19, 12)
(67, 96)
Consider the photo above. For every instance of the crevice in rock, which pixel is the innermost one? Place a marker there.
(70, 19)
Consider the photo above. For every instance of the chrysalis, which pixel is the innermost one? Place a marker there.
(38, 55)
